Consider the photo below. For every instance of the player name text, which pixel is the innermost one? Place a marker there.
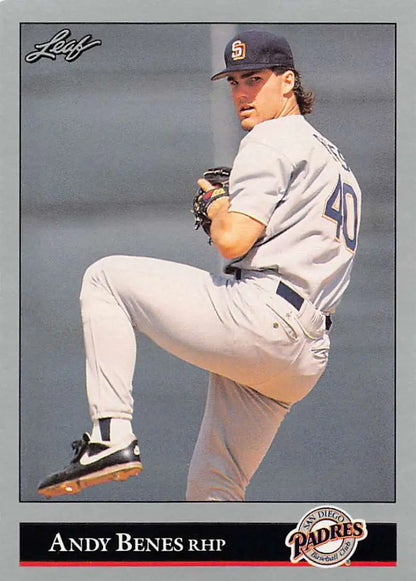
(124, 542)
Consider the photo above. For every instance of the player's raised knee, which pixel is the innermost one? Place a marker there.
(100, 267)
(97, 275)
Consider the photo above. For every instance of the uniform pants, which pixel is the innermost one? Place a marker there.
(261, 353)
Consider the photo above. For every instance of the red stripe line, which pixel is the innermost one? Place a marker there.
(191, 564)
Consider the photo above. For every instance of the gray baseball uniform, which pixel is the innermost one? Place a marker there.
(297, 183)
(261, 334)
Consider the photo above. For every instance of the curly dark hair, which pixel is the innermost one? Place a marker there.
(305, 99)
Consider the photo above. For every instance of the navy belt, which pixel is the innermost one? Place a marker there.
(289, 295)
(296, 300)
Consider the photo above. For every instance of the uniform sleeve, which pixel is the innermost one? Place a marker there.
(259, 180)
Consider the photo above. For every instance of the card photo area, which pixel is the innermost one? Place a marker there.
(112, 143)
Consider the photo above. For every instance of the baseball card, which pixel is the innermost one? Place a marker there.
(207, 330)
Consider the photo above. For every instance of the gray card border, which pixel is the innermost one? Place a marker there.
(12, 12)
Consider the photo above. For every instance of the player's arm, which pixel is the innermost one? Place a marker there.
(232, 233)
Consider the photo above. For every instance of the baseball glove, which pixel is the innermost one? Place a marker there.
(219, 177)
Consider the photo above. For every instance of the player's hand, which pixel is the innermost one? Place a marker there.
(205, 184)
(213, 207)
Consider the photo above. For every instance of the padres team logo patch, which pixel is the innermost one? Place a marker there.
(326, 536)
(238, 50)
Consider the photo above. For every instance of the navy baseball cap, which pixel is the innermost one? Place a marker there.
(253, 50)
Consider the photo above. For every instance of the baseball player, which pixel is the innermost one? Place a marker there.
(286, 221)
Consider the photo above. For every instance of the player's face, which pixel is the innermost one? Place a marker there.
(262, 95)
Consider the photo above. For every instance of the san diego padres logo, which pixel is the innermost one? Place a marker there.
(325, 537)
(238, 50)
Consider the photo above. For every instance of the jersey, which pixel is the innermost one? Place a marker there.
(296, 182)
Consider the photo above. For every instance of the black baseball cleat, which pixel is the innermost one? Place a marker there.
(93, 463)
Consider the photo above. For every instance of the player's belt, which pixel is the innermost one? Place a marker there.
(294, 298)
